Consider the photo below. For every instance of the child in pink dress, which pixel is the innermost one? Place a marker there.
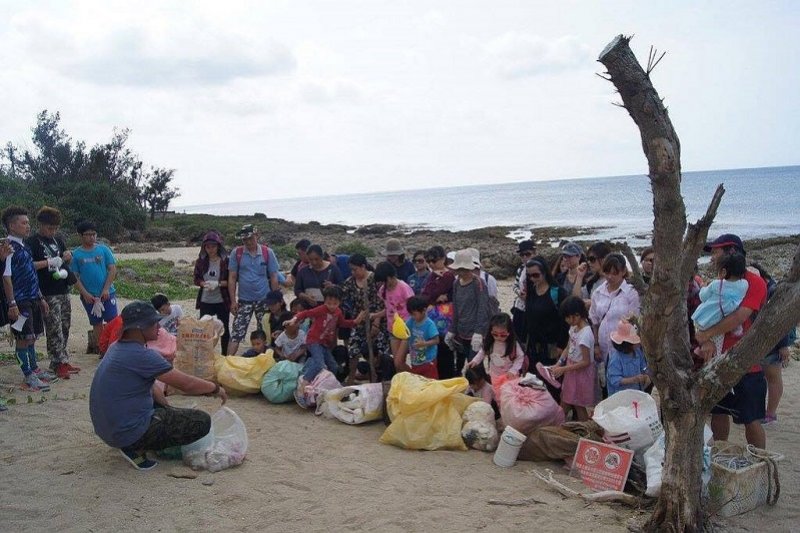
(575, 365)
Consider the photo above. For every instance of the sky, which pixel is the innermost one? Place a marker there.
(278, 99)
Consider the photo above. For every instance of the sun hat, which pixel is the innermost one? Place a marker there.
(476, 256)
(463, 259)
(625, 332)
(393, 247)
(248, 230)
(139, 315)
(526, 246)
(273, 297)
(571, 250)
(725, 240)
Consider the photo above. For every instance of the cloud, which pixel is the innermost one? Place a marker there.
(148, 56)
(330, 91)
(514, 55)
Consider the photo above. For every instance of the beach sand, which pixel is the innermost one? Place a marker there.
(302, 472)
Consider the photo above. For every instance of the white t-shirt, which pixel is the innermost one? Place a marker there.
(578, 338)
(289, 346)
(170, 321)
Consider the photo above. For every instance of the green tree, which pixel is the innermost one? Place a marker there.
(158, 192)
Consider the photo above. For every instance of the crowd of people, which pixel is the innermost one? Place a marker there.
(573, 322)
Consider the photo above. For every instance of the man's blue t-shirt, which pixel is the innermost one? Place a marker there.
(19, 267)
(91, 267)
(425, 330)
(121, 397)
(253, 273)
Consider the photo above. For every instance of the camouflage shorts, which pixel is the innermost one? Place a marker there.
(173, 427)
(243, 316)
(56, 326)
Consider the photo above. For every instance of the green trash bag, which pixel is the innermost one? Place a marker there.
(279, 383)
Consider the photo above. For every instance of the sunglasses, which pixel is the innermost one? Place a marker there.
(500, 334)
(592, 258)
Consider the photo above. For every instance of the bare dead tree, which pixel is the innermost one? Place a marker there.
(687, 395)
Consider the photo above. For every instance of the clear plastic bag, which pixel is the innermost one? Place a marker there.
(224, 446)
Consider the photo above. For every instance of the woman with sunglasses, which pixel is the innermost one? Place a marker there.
(438, 289)
(421, 273)
(595, 255)
(547, 332)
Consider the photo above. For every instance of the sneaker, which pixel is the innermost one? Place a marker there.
(34, 384)
(61, 371)
(72, 369)
(44, 375)
(544, 372)
(769, 419)
(138, 460)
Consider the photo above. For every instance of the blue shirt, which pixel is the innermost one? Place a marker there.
(253, 273)
(425, 330)
(19, 267)
(121, 397)
(416, 281)
(91, 267)
(624, 365)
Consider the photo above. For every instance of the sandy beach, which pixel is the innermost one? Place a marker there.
(302, 472)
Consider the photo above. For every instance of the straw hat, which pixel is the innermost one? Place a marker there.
(625, 332)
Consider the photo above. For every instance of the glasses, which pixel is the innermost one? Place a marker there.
(592, 258)
(500, 334)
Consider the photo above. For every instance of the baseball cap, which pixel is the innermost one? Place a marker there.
(526, 246)
(571, 249)
(248, 230)
(139, 315)
(725, 240)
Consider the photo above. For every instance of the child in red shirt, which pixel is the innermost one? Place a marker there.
(321, 336)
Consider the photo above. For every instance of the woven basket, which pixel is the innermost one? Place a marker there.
(735, 491)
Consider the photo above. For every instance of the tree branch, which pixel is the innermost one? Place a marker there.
(697, 234)
(636, 278)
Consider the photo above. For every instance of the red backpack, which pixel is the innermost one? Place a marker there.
(264, 252)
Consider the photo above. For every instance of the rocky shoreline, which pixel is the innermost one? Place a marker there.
(496, 243)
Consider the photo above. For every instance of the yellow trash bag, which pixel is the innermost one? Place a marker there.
(399, 328)
(426, 413)
(243, 374)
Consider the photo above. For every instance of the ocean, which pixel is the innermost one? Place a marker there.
(758, 202)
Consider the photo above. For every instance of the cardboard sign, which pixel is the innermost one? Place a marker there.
(602, 466)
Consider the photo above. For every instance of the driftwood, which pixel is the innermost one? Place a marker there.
(605, 496)
(516, 503)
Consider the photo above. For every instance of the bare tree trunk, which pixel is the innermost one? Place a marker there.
(686, 396)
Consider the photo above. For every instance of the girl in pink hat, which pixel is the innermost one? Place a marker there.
(627, 367)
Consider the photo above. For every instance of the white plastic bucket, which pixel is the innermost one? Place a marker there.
(508, 448)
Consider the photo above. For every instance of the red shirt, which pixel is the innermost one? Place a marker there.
(754, 299)
(324, 325)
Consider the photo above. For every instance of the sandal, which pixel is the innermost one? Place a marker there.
(544, 372)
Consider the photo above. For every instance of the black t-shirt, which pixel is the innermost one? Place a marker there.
(43, 248)
(543, 319)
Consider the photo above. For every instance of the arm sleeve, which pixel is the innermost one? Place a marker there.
(7, 269)
(299, 283)
(479, 357)
(109, 256)
(272, 263)
(519, 359)
(756, 293)
(336, 275)
(75, 264)
(614, 372)
(341, 321)
(151, 364)
(430, 330)
(233, 264)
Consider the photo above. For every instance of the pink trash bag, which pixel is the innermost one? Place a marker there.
(528, 408)
(306, 395)
(166, 344)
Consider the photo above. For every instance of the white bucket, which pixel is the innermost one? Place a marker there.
(508, 448)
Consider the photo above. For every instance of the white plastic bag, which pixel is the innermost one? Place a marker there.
(654, 463)
(629, 419)
(224, 446)
(479, 430)
(352, 405)
(306, 394)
